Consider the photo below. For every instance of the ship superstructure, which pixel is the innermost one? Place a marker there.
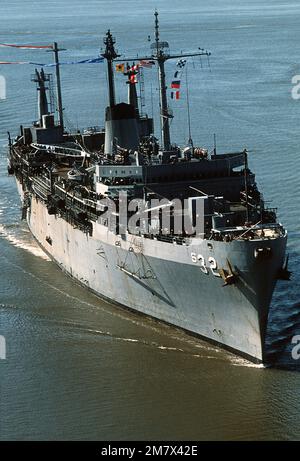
(177, 233)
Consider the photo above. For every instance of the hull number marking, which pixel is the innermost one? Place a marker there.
(210, 265)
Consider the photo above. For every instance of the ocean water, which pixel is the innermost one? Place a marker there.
(80, 368)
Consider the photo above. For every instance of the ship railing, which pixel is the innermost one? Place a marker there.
(92, 130)
(257, 231)
(175, 239)
(42, 182)
(70, 195)
(85, 226)
(82, 203)
(66, 151)
(41, 192)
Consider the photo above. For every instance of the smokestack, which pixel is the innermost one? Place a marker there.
(121, 128)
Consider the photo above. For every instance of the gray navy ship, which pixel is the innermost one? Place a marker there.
(174, 232)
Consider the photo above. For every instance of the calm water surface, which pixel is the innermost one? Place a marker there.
(79, 368)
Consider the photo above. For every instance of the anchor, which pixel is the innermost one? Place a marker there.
(228, 275)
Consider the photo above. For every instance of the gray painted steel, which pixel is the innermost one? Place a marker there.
(161, 280)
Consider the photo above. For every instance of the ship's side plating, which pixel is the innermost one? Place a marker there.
(163, 281)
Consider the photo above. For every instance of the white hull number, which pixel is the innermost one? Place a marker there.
(205, 268)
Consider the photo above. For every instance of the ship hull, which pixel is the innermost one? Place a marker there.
(145, 275)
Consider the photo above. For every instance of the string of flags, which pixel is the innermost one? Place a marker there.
(27, 47)
(84, 61)
(133, 71)
(14, 62)
(43, 47)
(148, 64)
(120, 67)
(176, 82)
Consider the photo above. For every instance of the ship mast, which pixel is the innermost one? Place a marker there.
(55, 50)
(110, 54)
(161, 56)
(246, 184)
(40, 78)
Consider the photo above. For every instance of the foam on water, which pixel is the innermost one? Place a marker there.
(240, 362)
(22, 241)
